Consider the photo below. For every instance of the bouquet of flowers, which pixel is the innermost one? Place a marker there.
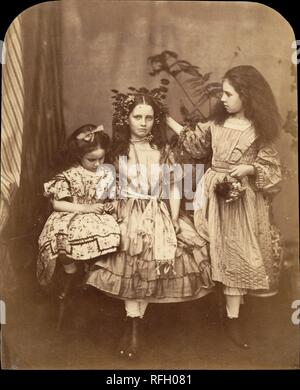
(230, 189)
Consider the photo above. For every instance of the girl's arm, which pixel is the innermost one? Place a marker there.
(196, 141)
(175, 126)
(242, 170)
(267, 166)
(63, 205)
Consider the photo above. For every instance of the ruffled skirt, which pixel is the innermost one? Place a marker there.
(152, 263)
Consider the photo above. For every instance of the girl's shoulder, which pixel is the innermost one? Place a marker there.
(76, 171)
(72, 170)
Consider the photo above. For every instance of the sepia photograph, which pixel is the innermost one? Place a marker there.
(149, 188)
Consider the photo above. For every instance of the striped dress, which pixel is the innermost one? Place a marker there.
(239, 234)
(152, 262)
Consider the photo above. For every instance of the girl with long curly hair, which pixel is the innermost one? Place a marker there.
(231, 208)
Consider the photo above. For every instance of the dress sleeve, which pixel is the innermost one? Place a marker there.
(58, 188)
(267, 169)
(197, 141)
(106, 186)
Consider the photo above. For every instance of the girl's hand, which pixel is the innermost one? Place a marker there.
(109, 208)
(176, 227)
(241, 171)
(95, 208)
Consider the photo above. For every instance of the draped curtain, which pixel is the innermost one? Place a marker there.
(63, 58)
(32, 129)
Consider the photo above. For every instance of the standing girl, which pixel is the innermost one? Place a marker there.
(81, 227)
(153, 264)
(232, 199)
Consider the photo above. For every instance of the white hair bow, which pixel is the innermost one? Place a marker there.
(89, 135)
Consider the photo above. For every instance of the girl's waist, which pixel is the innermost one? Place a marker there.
(129, 194)
(220, 166)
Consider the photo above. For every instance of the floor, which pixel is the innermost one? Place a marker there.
(176, 336)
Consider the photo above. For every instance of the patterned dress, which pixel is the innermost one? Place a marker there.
(151, 263)
(239, 233)
(78, 236)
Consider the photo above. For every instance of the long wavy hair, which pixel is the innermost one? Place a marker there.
(258, 102)
(121, 133)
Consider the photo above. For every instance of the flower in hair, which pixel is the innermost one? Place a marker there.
(123, 103)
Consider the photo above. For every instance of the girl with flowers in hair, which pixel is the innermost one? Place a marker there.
(161, 257)
(81, 226)
(233, 198)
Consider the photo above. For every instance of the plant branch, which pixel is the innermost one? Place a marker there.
(188, 97)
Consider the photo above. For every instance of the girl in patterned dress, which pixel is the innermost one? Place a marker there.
(233, 198)
(81, 226)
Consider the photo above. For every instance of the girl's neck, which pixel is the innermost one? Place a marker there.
(239, 115)
(85, 169)
(140, 141)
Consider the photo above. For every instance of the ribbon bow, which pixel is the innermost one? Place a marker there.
(89, 135)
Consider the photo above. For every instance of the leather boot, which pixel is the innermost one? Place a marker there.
(68, 280)
(123, 344)
(134, 338)
(234, 331)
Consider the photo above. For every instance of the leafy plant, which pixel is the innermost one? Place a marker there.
(290, 125)
(196, 88)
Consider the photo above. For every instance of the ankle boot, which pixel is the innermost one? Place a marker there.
(134, 338)
(62, 298)
(234, 331)
(123, 344)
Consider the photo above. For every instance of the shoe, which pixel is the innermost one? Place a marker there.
(134, 338)
(123, 345)
(234, 332)
(62, 297)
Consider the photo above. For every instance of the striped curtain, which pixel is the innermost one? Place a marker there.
(32, 127)
(44, 130)
(11, 119)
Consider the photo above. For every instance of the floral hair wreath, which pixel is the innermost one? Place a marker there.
(123, 103)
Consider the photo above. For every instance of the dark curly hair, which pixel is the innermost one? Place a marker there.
(121, 133)
(74, 149)
(258, 102)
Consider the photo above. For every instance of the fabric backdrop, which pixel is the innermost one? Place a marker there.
(75, 51)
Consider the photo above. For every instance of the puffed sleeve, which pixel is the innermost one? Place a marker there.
(197, 141)
(58, 188)
(267, 169)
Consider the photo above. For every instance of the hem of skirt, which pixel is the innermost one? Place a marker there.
(242, 286)
(102, 253)
(46, 281)
(263, 293)
(202, 293)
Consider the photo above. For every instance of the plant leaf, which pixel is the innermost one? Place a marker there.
(165, 81)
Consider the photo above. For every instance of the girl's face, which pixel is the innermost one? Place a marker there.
(231, 99)
(93, 159)
(141, 121)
